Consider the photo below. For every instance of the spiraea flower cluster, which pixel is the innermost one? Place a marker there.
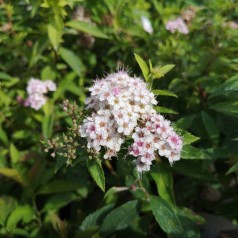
(36, 90)
(177, 25)
(122, 108)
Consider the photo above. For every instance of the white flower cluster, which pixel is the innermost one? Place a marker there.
(177, 25)
(122, 106)
(36, 90)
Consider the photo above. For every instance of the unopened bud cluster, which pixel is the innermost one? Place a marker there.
(122, 107)
(66, 145)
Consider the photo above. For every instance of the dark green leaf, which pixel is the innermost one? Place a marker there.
(166, 216)
(210, 126)
(96, 171)
(96, 218)
(119, 218)
(162, 176)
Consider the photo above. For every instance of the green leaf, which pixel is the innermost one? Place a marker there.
(114, 190)
(96, 171)
(191, 152)
(229, 108)
(166, 216)
(210, 126)
(13, 174)
(96, 218)
(162, 176)
(119, 218)
(14, 153)
(7, 205)
(3, 136)
(57, 201)
(21, 213)
(159, 72)
(72, 60)
(88, 28)
(228, 87)
(165, 110)
(55, 31)
(164, 93)
(143, 66)
(233, 169)
(188, 138)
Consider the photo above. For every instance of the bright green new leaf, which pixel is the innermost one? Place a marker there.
(14, 153)
(55, 31)
(119, 218)
(7, 205)
(166, 216)
(188, 138)
(72, 60)
(159, 72)
(143, 66)
(88, 28)
(13, 174)
(20, 213)
(165, 110)
(162, 176)
(96, 171)
(164, 93)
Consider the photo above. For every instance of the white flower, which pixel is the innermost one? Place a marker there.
(147, 25)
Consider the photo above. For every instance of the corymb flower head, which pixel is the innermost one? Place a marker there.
(36, 90)
(121, 108)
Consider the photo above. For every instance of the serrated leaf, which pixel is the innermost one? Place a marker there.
(95, 219)
(210, 126)
(166, 216)
(229, 108)
(88, 28)
(164, 93)
(143, 66)
(165, 110)
(119, 218)
(162, 176)
(72, 60)
(96, 171)
(228, 87)
(159, 72)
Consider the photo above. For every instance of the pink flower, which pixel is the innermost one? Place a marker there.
(177, 25)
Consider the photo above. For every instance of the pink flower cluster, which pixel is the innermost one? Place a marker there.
(155, 134)
(177, 25)
(122, 107)
(36, 90)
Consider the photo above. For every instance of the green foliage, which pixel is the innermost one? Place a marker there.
(194, 78)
